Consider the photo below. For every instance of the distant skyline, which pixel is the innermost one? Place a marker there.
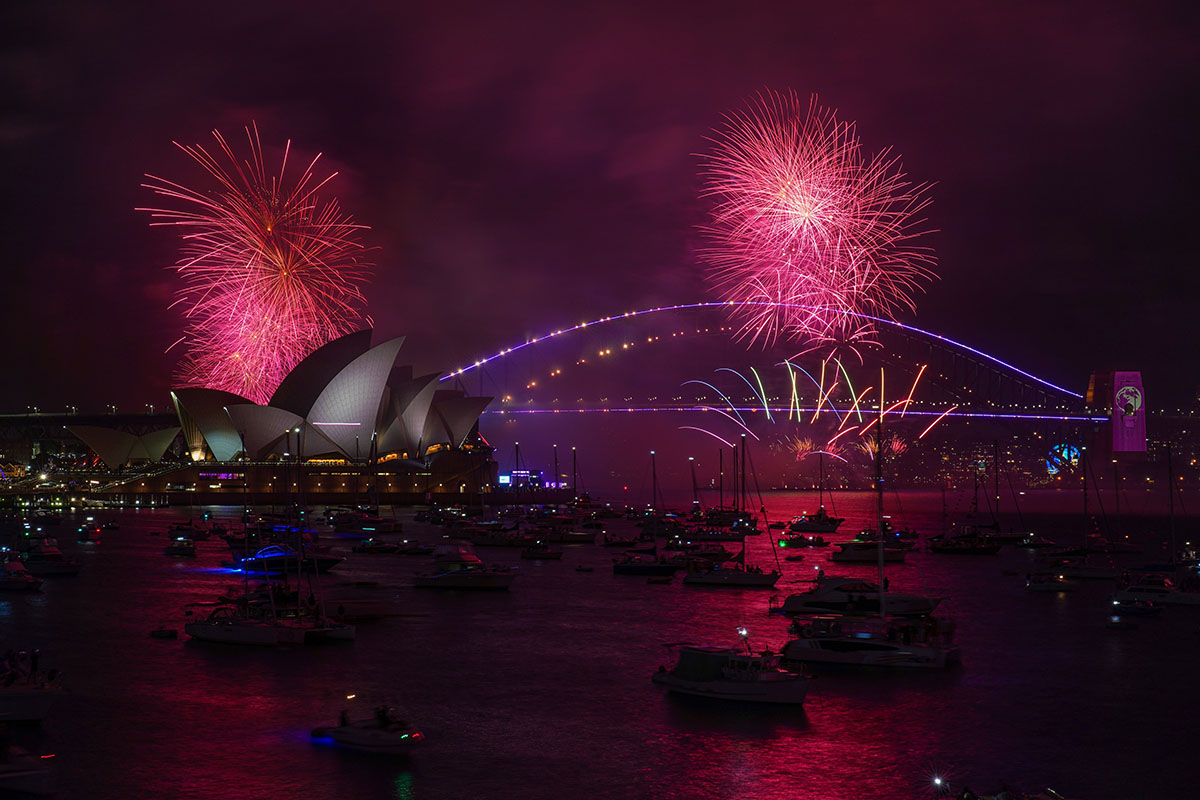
(526, 167)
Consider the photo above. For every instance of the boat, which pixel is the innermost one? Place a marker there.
(965, 545)
(800, 540)
(14, 577)
(1048, 582)
(899, 540)
(23, 774)
(1156, 589)
(375, 546)
(835, 594)
(88, 534)
(189, 529)
(457, 567)
(233, 625)
(1083, 568)
(1099, 544)
(732, 574)
(821, 522)
(1035, 542)
(711, 551)
(1135, 608)
(364, 525)
(277, 560)
(181, 546)
(640, 565)
(866, 553)
(47, 559)
(706, 534)
(730, 673)
(889, 642)
(540, 551)
(498, 538)
(384, 733)
(623, 543)
(26, 693)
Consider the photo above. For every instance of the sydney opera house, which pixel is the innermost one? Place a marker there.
(348, 419)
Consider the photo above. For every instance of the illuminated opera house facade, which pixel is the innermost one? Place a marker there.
(347, 420)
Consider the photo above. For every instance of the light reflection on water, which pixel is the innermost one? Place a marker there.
(544, 691)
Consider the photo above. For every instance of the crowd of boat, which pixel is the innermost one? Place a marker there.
(836, 621)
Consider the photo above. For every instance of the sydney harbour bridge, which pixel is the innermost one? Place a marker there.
(676, 380)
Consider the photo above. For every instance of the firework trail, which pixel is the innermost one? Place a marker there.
(804, 218)
(270, 272)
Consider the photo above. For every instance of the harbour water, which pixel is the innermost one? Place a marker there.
(544, 691)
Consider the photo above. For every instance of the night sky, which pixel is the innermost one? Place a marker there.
(526, 167)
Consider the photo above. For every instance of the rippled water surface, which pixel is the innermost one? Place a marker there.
(544, 691)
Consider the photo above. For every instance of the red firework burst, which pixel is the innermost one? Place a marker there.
(270, 272)
(807, 231)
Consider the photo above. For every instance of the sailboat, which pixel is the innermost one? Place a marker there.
(821, 522)
(283, 619)
(732, 572)
(879, 640)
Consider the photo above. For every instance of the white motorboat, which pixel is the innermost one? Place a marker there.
(865, 553)
(457, 567)
(1158, 590)
(729, 673)
(842, 595)
(384, 733)
(14, 577)
(890, 642)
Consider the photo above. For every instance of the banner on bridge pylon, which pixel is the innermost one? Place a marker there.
(1128, 413)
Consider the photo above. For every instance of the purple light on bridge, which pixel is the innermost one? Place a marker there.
(687, 306)
(709, 409)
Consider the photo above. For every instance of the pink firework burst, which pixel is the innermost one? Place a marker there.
(807, 231)
(270, 272)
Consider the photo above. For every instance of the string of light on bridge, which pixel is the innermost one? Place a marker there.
(710, 304)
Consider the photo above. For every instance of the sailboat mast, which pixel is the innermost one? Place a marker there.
(879, 498)
(720, 477)
(821, 480)
(653, 481)
(1171, 502)
(735, 478)
(1083, 473)
(996, 482)
(695, 488)
(743, 473)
